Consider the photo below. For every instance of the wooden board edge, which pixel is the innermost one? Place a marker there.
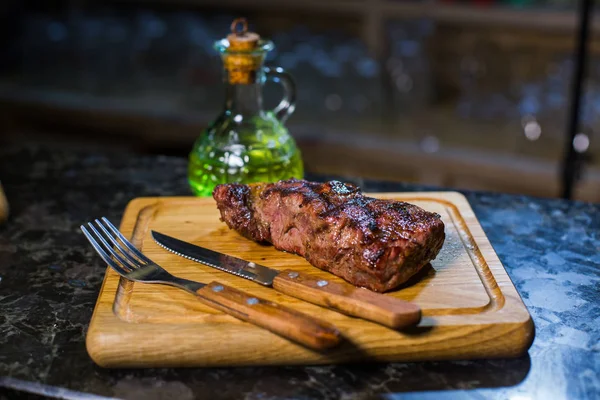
(514, 309)
(512, 296)
(110, 349)
(102, 313)
(103, 337)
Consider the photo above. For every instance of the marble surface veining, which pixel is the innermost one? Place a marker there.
(50, 279)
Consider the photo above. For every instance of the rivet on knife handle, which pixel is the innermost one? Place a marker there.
(362, 303)
(286, 322)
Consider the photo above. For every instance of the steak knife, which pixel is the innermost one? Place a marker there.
(343, 297)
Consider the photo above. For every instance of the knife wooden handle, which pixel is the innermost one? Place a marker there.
(291, 324)
(348, 299)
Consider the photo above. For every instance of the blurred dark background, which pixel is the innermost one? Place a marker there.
(471, 94)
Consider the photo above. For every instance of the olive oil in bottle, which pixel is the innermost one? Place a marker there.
(246, 143)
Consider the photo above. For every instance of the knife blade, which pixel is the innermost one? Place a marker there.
(342, 297)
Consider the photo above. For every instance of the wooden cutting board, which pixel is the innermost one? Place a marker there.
(470, 306)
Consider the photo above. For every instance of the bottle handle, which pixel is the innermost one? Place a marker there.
(287, 105)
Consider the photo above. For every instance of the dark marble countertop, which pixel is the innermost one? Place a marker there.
(50, 279)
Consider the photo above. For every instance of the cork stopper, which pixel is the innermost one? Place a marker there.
(239, 38)
(241, 60)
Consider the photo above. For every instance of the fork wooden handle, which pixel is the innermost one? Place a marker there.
(385, 310)
(291, 324)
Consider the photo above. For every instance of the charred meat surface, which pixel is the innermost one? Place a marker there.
(372, 243)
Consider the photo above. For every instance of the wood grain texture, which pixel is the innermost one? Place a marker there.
(286, 322)
(3, 205)
(470, 308)
(348, 299)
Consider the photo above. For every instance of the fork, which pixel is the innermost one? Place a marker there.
(125, 259)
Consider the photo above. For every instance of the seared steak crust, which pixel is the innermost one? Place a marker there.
(372, 243)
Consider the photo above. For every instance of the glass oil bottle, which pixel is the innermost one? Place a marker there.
(246, 143)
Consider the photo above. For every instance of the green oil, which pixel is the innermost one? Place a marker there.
(258, 149)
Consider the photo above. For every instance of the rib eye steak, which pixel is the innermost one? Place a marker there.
(372, 243)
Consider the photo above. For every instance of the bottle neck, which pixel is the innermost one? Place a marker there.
(243, 99)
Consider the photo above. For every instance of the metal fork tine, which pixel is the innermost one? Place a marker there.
(101, 252)
(125, 241)
(124, 263)
(132, 259)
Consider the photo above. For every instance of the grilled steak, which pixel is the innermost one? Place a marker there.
(372, 243)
